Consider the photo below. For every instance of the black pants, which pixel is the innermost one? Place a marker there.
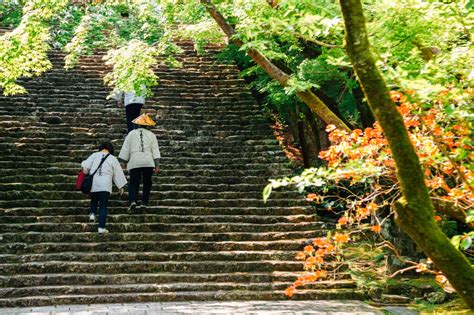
(132, 111)
(101, 199)
(136, 176)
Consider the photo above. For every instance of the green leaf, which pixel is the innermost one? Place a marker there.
(470, 216)
(466, 243)
(267, 192)
(456, 240)
(470, 4)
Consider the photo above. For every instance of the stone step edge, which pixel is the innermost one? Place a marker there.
(184, 296)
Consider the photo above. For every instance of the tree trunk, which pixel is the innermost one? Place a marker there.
(311, 119)
(366, 117)
(276, 73)
(414, 211)
(302, 137)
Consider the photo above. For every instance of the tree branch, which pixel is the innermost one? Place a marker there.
(314, 102)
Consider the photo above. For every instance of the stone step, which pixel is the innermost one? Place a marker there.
(70, 180)
(172, 210)
(323, 294)
(231, 196)
(62, 279)
(231, 160)
(13, 133)
(267, 156)
(23, 173)
(164, 218)
(169, 124)
(177, 149)
(214, 203)
(160, 187)
(161, 288)
(150, 256)
(93, 237)
(156, 266)
(148, 246)
(167, 88)
(207, 227)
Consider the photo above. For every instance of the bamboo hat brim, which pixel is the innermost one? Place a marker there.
(144, 120)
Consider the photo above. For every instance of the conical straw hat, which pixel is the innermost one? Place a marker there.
(144, 120)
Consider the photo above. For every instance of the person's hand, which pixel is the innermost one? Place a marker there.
(120, 191)
(157, 170)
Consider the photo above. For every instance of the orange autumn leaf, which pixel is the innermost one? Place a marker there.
(321, 274)
(330, 248)
(308, 249)
(311, 197)
(320, 252)
(298, 283)
(343, 220)
(341, 238)
(311, 261)
(290, 291)
(376, 228)
(320, 242)
(310, 277)
(300, 256)
(372, 207)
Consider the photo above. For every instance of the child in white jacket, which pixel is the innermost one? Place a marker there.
(109, 171)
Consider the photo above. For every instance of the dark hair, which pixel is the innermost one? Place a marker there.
(107, 145)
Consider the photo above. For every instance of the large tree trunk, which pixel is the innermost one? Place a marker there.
(302, 138)
(276, 73)
(414, 211)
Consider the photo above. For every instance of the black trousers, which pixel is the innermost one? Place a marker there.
(132, 111)
(136, 176)
(101, 199)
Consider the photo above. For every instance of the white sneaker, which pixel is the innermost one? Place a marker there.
(92, 217)
(132, 207)
(103, 231)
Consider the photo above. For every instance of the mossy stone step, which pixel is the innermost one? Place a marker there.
(142, 246)
(94, 237)
(59, 279)
(323, 294)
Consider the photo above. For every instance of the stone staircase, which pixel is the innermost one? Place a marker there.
(207, 235)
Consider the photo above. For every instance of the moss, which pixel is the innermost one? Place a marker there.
(454, 307)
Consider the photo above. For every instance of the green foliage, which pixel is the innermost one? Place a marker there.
(136, 37)
(424, 45)
(10, 12)
(64, 24)
(23, 51)
(132, 67)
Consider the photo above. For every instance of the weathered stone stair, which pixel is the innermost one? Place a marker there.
(207, 234)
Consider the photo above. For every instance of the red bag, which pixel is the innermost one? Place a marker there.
(80, 179)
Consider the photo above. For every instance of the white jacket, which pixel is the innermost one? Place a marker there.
(140, 149)
(129, 97)
(110, 170)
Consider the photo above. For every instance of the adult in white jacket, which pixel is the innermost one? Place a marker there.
(109, 171)
(133, 104)
(141, 153)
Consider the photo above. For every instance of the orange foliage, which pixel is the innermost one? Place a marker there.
(445, 148)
